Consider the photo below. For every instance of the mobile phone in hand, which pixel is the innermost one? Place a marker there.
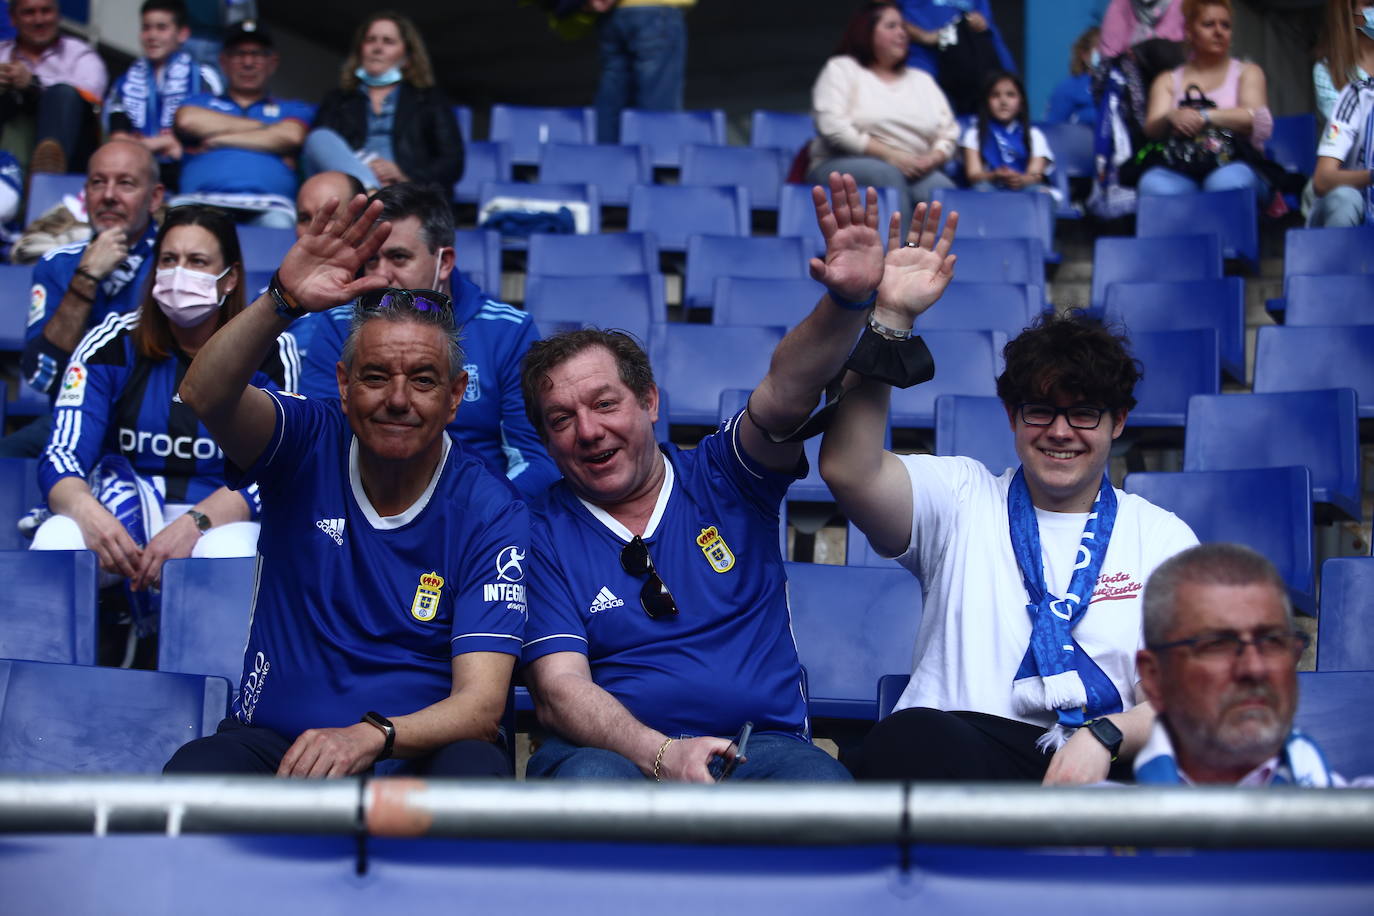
(723, 765)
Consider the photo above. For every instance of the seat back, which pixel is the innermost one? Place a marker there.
(966, 362)
(666, 132)
(463, 113)
(1005, 307)
(612, 169)
(675, 213)
(1173, 306)
(627, 302)
(859, 552)
(1333, 707)
(483, 160)
(890, 689)
(752, 300)
(1230, 215)
(975, 427)
(46, 190)
(710, 257)
(16, 280)
(758, 170)
(1178, 365)
(696, 362)
(1293, 144)
(852, 624)
(49, 611)
(526, 128)
(1268, 509)
(262, 248)
(797, 213)
(1328, 251)
(206, 609)
(592, 255)
(784, 130)
(1307, 358)
(1000, 261)
(1347, 614)
(1331, 299)
(1185, 257)
(1000, 215)
(18, 494)
(477, 253)
(87, 719)
(1318, 429)
(1072, 145)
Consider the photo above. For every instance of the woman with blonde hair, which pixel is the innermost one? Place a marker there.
(387, 122)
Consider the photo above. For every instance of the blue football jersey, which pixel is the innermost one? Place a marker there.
(728, 657)
(356, 612)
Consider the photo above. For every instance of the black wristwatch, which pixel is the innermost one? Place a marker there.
(1105, 731)
(203, 523)
(389, 730)
(285, 305)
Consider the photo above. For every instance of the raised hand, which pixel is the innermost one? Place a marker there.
(320, 269)
(915, 274)
(853, 263)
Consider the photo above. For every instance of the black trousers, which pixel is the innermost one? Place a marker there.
(236, 748)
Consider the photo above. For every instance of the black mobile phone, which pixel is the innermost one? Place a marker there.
(723, 765)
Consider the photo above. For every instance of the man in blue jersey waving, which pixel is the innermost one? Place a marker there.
(659, 621)
(391, 596)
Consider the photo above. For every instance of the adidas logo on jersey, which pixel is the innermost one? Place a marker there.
(605, 600)
(334, 527)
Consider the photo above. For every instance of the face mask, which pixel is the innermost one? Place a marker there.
(1095, 59)
(389, 78)
(187, 297)
(1368, 27)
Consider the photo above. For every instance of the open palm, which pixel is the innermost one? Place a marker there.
(853, 263)
(916, 274)
(321, 269)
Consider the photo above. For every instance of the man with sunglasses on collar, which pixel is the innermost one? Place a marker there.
(390, 601)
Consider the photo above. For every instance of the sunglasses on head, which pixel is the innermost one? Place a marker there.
(654, 597)
(419, 300)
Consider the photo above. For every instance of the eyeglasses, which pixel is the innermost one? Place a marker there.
(654, 597)
(247, 54)
(1044, 415)
(1273, 645)
(420, 300)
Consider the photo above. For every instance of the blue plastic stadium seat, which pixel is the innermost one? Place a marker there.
(966, 362)
(18, 494)
(46, 190)
(612, 169)
(675, 213)
(483, 160)
(1347, 612)
(206, 608)
(784, 130)
(86, 719)
(1135, 260)
(526, 129)
(710, 257)
(1072, 145)
(1317, 252)
(759, 170)
(859, 552)
(1293, 143)
(696, 362)
(666, 132)
(1269, 509)
(16, 280)
(852, 624)
(1005, 307)
(810, 488)
(797, 213)
(48, 614)
(1002, 215)
(627, 302)
(542, 194)
(1173, 306)
(1329, 299)
(890, 688)
(477, 253)
(464, 115)
(1333, 707)
(999, 261)
(262, 248)
(748, 300)
(1231, 215)
(592, 255)
(1318, 429)
(1307, 358)
(1178, 365)
(975, 427)
(29, 403)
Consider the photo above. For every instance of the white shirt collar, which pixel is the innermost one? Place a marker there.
(385, 522)
(664, 491)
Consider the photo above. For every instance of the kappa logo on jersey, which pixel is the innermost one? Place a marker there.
(38, 303)
(508, 564)
(73, 393)
(334, 527)
(605, 600)
(427, 595)
(717, 552)
(474, 389)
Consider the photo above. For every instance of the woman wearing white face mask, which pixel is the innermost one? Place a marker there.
(129, 472)
(1345, 153)
(387, 122)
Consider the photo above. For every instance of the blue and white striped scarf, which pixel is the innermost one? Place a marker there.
(152, 107)
(1301, 762)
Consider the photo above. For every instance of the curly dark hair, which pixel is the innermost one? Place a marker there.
(546, 355)
(1073, 355)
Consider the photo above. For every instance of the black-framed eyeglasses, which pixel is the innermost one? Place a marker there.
(1044, 415)
(654, 597)
(420, 300)
(1272, 645)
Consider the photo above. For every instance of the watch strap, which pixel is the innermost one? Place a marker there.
(285, 306)
(1105, 731)
(383, 724)
(203, 523)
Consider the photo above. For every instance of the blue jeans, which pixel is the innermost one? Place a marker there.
(643, 64)
(775, 757)
(1341, 206)
(1162, 181)
(326, 151)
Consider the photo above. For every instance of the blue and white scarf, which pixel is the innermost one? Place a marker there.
(1369, 153)
(153, 107)
(1005, 144)
(1301, 762)
(1055, 673)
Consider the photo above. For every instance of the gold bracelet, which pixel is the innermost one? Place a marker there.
(658, 760)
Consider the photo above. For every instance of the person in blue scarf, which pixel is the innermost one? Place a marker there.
(1002, 150)
(1220, 670)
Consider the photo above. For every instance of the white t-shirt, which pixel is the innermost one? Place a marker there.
(852, 105)
(1345, 134)
(975, 628)
(1039, 146)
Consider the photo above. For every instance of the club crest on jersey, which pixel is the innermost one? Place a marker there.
(716, 550)
(426, 603)
(474, 390)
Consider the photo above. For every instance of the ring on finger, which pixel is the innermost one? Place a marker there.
(912, 245)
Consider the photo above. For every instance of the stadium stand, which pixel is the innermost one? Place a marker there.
(666, 132)
(696, 362)
(1178, 365)
(526, 128)
(751, 300)
(1231, 216)
(759, 170)
(1314, 358)
(1176, 306)
(1329, 299)
(18, 494)
(1005, 307)
(966, 362)
(464, 115)
(1347, 630)
(15, 282)
(477, 253)
(483, 160)
(675, 213)
(975, 427)
(627, 302)
(49, 611)
(612, 169)
(46, 190)
(783, 130)
(1319, 252)
(797, 213)
(1002, 215)
(1117, 260)
(263, 248)
(206, 608)
(710, 257)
